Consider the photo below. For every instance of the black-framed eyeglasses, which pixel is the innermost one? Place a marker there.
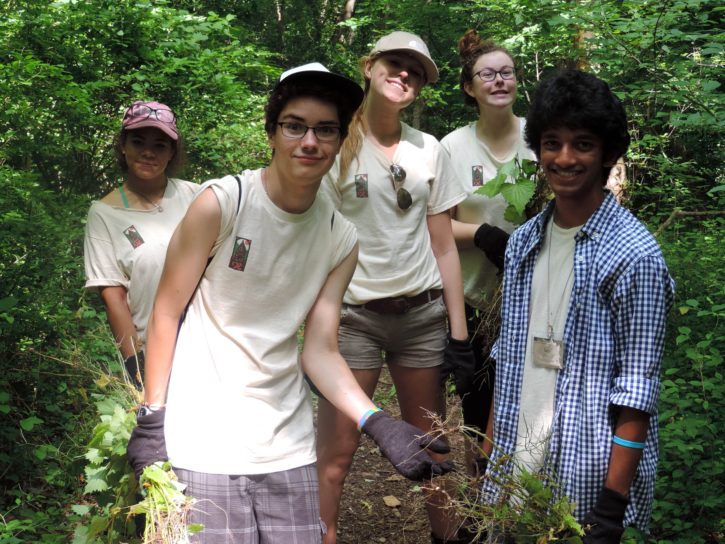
(297, 131)
(488, 75)
(402, 195)
(143, 112)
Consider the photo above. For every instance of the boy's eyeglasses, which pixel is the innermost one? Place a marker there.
(488, 75)
(297, 131)
(401, 193)
(141, 112)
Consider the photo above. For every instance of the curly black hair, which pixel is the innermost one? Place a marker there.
(578, 100)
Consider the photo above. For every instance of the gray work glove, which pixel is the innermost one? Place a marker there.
(147, 443)
(404, 446)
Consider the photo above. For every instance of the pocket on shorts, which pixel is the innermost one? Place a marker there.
(350, 314)
(323, 528)
(439, 307)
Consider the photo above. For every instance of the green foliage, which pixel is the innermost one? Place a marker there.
(39, 277)
(67, 70)
(665, 60)
(516, 182)
(531, 509)
(690, 496)
(74, 66)
(109, 480)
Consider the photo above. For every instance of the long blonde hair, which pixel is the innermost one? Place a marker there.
(358, 128)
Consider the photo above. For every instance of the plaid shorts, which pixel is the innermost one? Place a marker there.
(277, 508)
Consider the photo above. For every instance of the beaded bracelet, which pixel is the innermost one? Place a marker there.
(365, 417)
(627, 443)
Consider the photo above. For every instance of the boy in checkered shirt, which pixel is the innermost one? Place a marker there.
(586, 294)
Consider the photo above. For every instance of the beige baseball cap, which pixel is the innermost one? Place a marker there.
(413, 45)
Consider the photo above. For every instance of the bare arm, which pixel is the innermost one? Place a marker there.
(631, 425)
(321, 359)
(119, 318)
(463, 233)
(449, 265)
(487, 445)
(186, 260)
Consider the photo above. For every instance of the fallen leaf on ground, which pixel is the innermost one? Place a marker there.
(391, 501)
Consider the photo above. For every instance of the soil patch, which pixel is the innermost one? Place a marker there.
(365, 518)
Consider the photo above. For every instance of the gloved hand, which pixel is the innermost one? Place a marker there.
(458, 359)
(147, 443)
(603, 525)
(134, 366)
(492, 241)
(404, 446)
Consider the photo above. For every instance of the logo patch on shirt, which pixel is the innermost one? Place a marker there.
(361, 185)
(477, 175)
(133, 236)
(240, 254)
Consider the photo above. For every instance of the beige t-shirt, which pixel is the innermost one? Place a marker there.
(127, 247)
(237, 402)
(475, 164)
(550, 294)
(395, 256)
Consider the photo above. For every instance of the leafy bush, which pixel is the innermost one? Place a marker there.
(690, 496)
(43, 335)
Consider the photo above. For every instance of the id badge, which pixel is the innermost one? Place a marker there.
(548, 353)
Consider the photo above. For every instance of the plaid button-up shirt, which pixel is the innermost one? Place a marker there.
(613, 337)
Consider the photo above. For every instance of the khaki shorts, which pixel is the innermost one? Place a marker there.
(414, 339)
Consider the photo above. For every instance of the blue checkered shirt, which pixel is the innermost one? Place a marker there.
(613, 337)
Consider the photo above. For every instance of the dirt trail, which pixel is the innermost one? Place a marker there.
(364, 516)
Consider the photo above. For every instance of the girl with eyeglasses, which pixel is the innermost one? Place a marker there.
(395, 184)
(127, 231)
(478, 150)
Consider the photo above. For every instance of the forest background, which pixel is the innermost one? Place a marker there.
(69, 67)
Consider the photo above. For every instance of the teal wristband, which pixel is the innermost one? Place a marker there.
(627, 443)
(365, 417)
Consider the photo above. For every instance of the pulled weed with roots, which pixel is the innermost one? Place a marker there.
(165, 507)
(112, 513)
(530, 509)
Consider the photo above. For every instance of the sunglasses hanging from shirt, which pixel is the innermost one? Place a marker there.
(401, 193)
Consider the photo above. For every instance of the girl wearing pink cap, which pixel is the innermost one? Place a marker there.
(127, 231)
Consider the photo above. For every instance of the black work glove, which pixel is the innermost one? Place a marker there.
(492, 241)
(458, 359)
(404, 446)
(481, 464)
(147, 443)
(134, 366)
(603, 525)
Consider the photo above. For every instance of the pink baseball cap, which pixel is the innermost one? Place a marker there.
(151, 114)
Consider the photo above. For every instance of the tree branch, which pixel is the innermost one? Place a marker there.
(676, 214)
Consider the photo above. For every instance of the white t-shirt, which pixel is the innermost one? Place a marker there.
(475, 164)
(127, 247)
(395, 256)
(237, 402)
(550, 293)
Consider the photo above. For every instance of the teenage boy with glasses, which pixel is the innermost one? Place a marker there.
(586, 294)
(226, 397)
